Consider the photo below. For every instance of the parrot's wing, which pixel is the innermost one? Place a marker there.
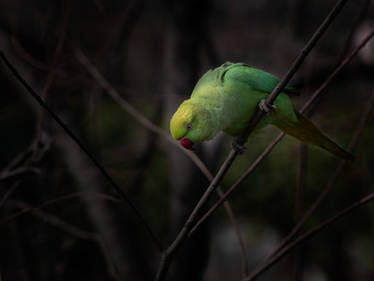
(256, 79)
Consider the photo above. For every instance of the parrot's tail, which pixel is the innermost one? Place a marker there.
(307, 132)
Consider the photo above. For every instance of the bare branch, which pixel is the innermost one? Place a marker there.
(8, 193)
(295, 66)
(325, 191)
(302, 238)
(57, 200)
(54, 220)
(7, 175)
(308, 105)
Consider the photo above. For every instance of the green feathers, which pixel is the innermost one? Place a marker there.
(225, 99)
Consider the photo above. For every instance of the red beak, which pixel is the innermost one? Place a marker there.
(186, 143)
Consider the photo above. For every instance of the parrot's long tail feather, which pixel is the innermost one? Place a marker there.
(307, 132)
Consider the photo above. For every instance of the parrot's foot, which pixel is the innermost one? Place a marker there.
(237, 147)
(266, 107)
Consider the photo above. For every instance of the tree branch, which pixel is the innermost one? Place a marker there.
(342, 164)
(73, 231)
(57, 200)
(183, 234)
(308, 235)
(259, 159)
(99, 78)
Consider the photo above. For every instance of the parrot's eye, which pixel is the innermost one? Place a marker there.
(189, 127)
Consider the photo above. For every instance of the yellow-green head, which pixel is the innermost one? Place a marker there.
(191, 123)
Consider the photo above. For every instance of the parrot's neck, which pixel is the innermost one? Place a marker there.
(216, 108)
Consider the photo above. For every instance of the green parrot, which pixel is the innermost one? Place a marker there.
(226, 98)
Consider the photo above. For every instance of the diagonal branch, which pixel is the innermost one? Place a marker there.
(305, 108)
(342, 164)
(295, 66)
(183, 234)
(302, 238)
(62, 124)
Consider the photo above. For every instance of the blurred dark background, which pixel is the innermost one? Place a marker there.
(60, 219)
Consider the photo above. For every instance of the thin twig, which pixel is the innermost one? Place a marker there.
(305, 108)
(52, 73)
(22, 53)
(133, 112)
(57, 200)
(308, 105)
(238, 182)
(102, 170)
(358, 20)
(242, 248)
(302, 238)
(54, 220)
(18, 160)
(183, 234)
(8, 193)
(295, 66)
(7, 175)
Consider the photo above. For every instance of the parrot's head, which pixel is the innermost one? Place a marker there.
(191, 123)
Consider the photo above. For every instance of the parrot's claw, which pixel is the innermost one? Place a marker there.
(266, 107)
(237, 147)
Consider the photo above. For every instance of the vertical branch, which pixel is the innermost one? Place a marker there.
(301, 178)
(298, 256)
